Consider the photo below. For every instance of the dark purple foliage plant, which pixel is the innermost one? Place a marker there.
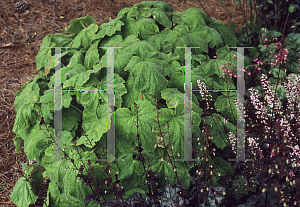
(272, 178)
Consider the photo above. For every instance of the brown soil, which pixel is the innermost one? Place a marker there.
(20, 40)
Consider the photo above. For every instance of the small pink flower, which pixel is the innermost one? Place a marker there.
(258, 68)
(291, 173)
(265, 45)
(266, 40)
(261, 154)
(249, 73)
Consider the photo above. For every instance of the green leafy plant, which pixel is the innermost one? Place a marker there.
(272, 15)
(148, 69)
(281, 16)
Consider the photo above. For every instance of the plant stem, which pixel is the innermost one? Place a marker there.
(77, 109)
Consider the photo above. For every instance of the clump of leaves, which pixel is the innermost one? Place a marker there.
(149, 88)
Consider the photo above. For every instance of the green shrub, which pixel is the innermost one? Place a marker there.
(148, 67)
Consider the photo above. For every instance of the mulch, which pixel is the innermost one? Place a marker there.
(20, 39)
